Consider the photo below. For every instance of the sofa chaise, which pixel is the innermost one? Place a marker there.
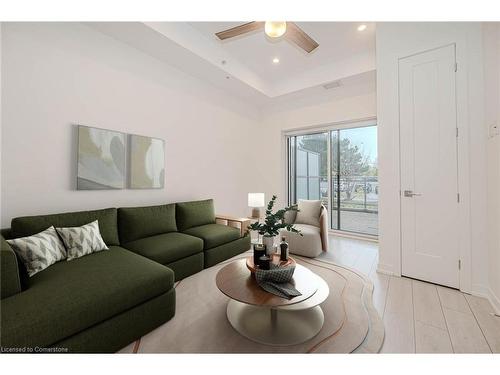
(103, 301)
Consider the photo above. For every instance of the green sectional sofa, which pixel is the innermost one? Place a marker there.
(103, 301)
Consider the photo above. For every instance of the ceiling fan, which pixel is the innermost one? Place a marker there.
(274, 29)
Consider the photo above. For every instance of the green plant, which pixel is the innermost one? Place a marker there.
(273, 222)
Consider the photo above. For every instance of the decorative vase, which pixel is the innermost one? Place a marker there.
(269, 242)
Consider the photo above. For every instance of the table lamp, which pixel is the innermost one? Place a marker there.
(256, 200)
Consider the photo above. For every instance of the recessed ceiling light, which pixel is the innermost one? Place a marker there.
(276, 60)
(362, 27)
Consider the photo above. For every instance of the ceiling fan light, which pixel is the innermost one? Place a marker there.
(275, 29)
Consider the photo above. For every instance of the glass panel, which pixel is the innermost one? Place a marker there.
(358, 186)
(334, 183)
(315, 147)
(301, 162)
(291, 170)
(313, 164)
(302, 188)
(314, 192)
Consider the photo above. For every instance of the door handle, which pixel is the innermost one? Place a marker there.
(410, 193)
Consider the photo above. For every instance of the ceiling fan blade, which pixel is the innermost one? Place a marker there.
(296, 35)
(238, 30)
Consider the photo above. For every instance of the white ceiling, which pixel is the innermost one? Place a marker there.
(248, 70)
(338, 41)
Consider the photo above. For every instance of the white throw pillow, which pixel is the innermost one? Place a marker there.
(84, 240)
(309, 212)
(39, 251)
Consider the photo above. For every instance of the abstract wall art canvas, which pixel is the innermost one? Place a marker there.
(147, 162)
(101, 159)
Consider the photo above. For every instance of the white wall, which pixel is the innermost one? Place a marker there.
(495, 264)
(395, 40)
(56, 75)
(491, 54)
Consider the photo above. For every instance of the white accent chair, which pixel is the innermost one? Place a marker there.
(314, 238)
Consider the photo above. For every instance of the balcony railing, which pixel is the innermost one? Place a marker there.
(357, 193)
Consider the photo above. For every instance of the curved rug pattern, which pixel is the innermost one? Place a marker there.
(200, 324)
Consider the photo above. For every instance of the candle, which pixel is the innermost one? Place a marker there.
(264, 262)
(258, 251)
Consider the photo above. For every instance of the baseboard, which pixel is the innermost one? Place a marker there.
(354, 236)
(486, 292)
(385, 269)
(495, 301)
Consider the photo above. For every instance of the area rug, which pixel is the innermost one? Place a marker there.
(200, 324)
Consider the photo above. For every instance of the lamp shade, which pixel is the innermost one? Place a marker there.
(256, 200)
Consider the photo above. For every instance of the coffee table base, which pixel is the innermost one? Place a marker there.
(275, 326)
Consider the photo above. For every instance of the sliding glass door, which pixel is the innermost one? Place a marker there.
(354, 180)
(338, 166)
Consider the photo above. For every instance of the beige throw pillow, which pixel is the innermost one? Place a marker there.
(309, 212)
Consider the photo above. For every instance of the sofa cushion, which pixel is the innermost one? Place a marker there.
(187, 266)
(69, 297)
(166, 248)
(214, 234)
(139, 222)
(223, 252)
(29, 225)
(193, 214)
(114, 334)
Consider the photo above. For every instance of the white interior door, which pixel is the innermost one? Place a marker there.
(429, 187)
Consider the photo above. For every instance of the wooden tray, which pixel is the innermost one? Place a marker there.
(276, 260)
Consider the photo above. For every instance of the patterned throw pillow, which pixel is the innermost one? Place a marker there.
(39, 251)
(84, 240)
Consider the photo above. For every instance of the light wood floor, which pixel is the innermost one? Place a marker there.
(421, 317)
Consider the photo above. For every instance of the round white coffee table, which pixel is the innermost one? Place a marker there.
(266, 318)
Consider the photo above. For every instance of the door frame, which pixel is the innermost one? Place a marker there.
(463, 172)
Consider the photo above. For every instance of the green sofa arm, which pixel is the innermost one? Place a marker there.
(10, 281)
